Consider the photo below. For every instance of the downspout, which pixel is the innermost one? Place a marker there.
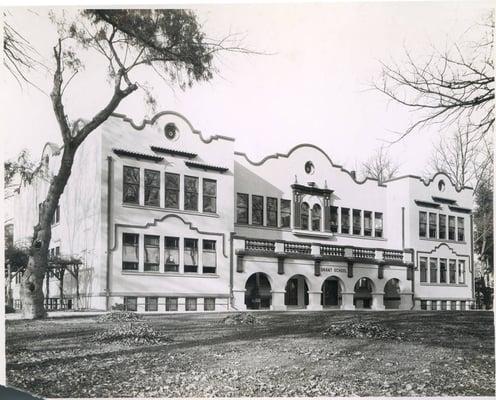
(412, 252)
(109, 219)
(413, 278)
(231, 270)
(472, 255)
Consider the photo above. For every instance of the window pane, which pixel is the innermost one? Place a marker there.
(190, 303)
(190, 255)
(152, 187)
(171, 304)
(461, 271)
(152, 253)
(209, 303)
(432, 225)
(334, 219)
(209, 195)
(461, 229)
(442, 270)
(422, 224)
(242, 208)
(131, 303)
(257, 210)
(271, 211)
(357, 222)
(151, 304)
(316, 216)
(191, 193)
(451, 228)
(423, 269)
(345, 220)
(367, 223)
(452, 271)
(442, 226)
(171, 254)
(433, 270)
(285, 213)
(305, 210)
(209, 257)
(378, 224)
(131, 182)
(130, 251)
(171, 190)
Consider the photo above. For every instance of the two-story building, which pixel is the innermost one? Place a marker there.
(167, 219)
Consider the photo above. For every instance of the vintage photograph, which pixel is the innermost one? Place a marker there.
(249, 200)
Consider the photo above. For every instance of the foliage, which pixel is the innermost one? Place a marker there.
(9, 309)
(483, 220)
(365, 330)
(119, 316)
(23, 167)
(380, 166)
(241, 319)
(17, 257)
(130, 333)
(483, 293)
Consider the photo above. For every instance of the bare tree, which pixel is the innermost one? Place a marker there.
(169, 42)
(448, 88)
(380, 166)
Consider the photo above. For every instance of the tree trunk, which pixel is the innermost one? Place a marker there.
(32, 281)
(8, 292)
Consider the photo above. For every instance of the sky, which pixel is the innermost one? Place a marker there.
(313, 84)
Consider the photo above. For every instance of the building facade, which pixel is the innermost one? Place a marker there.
(166, 219)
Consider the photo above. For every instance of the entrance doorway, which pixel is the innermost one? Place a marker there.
(392, 298)
(331, 293)
(258, 292)
(296, 292)
(363, 293)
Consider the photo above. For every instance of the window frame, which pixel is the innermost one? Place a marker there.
(209, 307)
(188, 301)
(424, 270)
(169, 267)
(432, 225)
(379, 216)
(443, 270)
(355, 213)
(146, 264)
(136, 245)
(304, 216)
(460, 228)
(171, 302)
(209, 196)
(147, 303)
(451, 228)
(212, 269)
(188, 204)
(246, 208)
(285, 213)
(255, 210)
(192, 268)
(345, 217)
(133, 184)
(433, 262)
(126, 301)
(314, 219)
(272, 211)
(452, 271)
(169, 190)
(367, 231)
(148, 186)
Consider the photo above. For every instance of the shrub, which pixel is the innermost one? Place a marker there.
(364, 330)
(130, 333)
(9, 309)
(241, 319)
(119, 316)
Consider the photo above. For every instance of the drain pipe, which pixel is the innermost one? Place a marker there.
(109, 220)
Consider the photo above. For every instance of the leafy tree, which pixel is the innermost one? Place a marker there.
(169, 42)
(380, 166)
(483, 221)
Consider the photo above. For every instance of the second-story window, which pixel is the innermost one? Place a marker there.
(451, 228)
(152, 253)
(452, 271)
(131, 185)
(422, 224)
(345, 220)
(378, 224)
(334, 219)
(257, 210)
(316, 216)
(171, 254)
(423, 269)
(461, 229)
(209, 257)
(367, 223)
(190, 255)
(442, 226)
(242, 208)
(271, 211)
(305, 208)
(171, 183)
(432, 225)
(209, 195)
(130, 251)
(433, 270)
(461, 271)
(285, 213)
(357, 222)
(191, 193)
(442, 270)
(152, 188)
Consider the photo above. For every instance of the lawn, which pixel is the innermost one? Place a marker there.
(285, 354)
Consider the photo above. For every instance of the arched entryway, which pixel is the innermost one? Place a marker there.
(331, 293)
(392, 298)
(296, 295)
(363, 293)
(258, 292)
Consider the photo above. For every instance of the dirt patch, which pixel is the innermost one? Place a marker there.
(241, 319)
(365, 330)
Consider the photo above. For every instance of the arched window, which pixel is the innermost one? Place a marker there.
(304, 215)
(316, 214)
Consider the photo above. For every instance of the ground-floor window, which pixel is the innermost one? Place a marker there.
(151, 303)
(443, 305)
(131, 303)
(209, 304)
(453, 304)
(18, 304)
(433, 305)
(423, 304)
(462, 305)
(190, 303)
(171, 304)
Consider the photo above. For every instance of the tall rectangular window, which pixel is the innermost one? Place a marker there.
(334, 219)
(209, 303)
(461, 229)
(171, 304)
(285, 213)
(130, 303)
(422, 224)
(171, 184)
(452, 271)
(357, 222)
(130, 251)
(151, 303)
(423, 269)
(461, 271)
(209, 257)
(152, 188)
(451, 228)
(433, 270)
(131, 183)
(152, 253)
(209, 195)
(442, 270)
(271, 211)
(190, 303)
(367, 223)
(56, 216)
(191, 193)
(171, 254)
(345, 220)
(190, 255)
(442, 226)
(432, 225)
(257, 210)
(242, 208)
(379, 224)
